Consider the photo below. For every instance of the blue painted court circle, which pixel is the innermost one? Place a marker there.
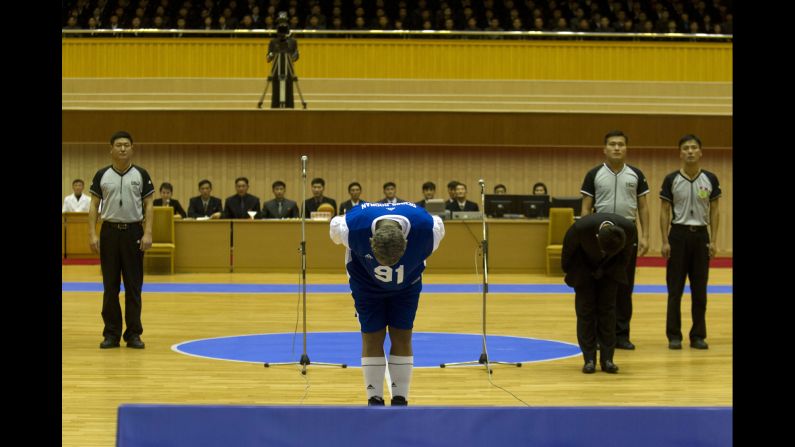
(430, 348)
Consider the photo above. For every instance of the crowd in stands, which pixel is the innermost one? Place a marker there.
(609, 16)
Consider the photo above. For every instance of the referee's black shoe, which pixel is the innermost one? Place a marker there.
(108, 343)
(609, 367)
(375, 401)
(399, 401)
(135, 342)
(624, 344)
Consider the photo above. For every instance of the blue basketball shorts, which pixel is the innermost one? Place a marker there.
(378, 310)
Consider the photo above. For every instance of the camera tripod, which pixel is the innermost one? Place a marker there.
(281, 69)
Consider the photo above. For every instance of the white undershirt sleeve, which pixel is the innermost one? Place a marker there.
(339, 230)
(438, 231)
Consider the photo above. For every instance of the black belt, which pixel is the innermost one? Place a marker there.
(120, 225)
(693, 228)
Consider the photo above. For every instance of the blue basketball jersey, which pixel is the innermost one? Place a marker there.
(366, 274)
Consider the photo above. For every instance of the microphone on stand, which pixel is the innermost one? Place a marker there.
(304, 158)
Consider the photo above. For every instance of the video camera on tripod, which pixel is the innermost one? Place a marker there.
(282, 51)
(283, 43)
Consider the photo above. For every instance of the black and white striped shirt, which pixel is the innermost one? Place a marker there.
(615, 192)
(690, 199)
(122, 193)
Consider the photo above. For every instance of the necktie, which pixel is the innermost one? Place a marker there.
(205, 208)
(243, 206)
(280, 210)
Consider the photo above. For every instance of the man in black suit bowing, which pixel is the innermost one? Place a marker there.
(279, 207)
(238, 206)
(205, 205)
(595, 256)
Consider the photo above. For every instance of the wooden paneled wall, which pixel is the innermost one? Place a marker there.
(562, 169)
(402, 59)
(559, 155)
(366, 127)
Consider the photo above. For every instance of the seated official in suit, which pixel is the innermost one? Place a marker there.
(166, 190)
(279, 207)
(595, 257)
(390, 194)
(311, 204)
(77, 202)
(461, 203)
(428, 191)
(451, 185)
(355, 191)
(205, 205)
(238, 205)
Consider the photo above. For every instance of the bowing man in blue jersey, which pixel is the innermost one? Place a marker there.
(387, 247)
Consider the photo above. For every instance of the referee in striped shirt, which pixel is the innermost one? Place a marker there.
(616, 187)
(689, 224)
(126, 192)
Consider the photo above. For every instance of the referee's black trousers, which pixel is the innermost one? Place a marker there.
(689, 258)
(120, 256)
(624, 296)
(595, 304)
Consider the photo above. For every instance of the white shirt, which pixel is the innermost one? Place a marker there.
(72, 205)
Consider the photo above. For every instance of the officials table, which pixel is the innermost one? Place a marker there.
(260, 246)
(74, 236)
(202, 246)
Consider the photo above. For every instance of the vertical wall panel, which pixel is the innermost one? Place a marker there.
(403, 59)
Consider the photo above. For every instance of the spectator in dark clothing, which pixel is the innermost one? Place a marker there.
(239, 205)
(166, 191)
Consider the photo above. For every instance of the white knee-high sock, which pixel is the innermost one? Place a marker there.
(400, 367)
(373, 369)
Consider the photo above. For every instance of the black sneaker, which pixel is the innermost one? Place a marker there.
(108, 343)
(589, 367)
(698, 343)
(399, 401)
(375, 401)
(675, 344)
(135, 343)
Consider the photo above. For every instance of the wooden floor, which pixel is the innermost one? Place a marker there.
(96, 381)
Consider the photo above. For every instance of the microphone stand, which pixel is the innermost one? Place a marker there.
(484, 356)
(304, 362)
